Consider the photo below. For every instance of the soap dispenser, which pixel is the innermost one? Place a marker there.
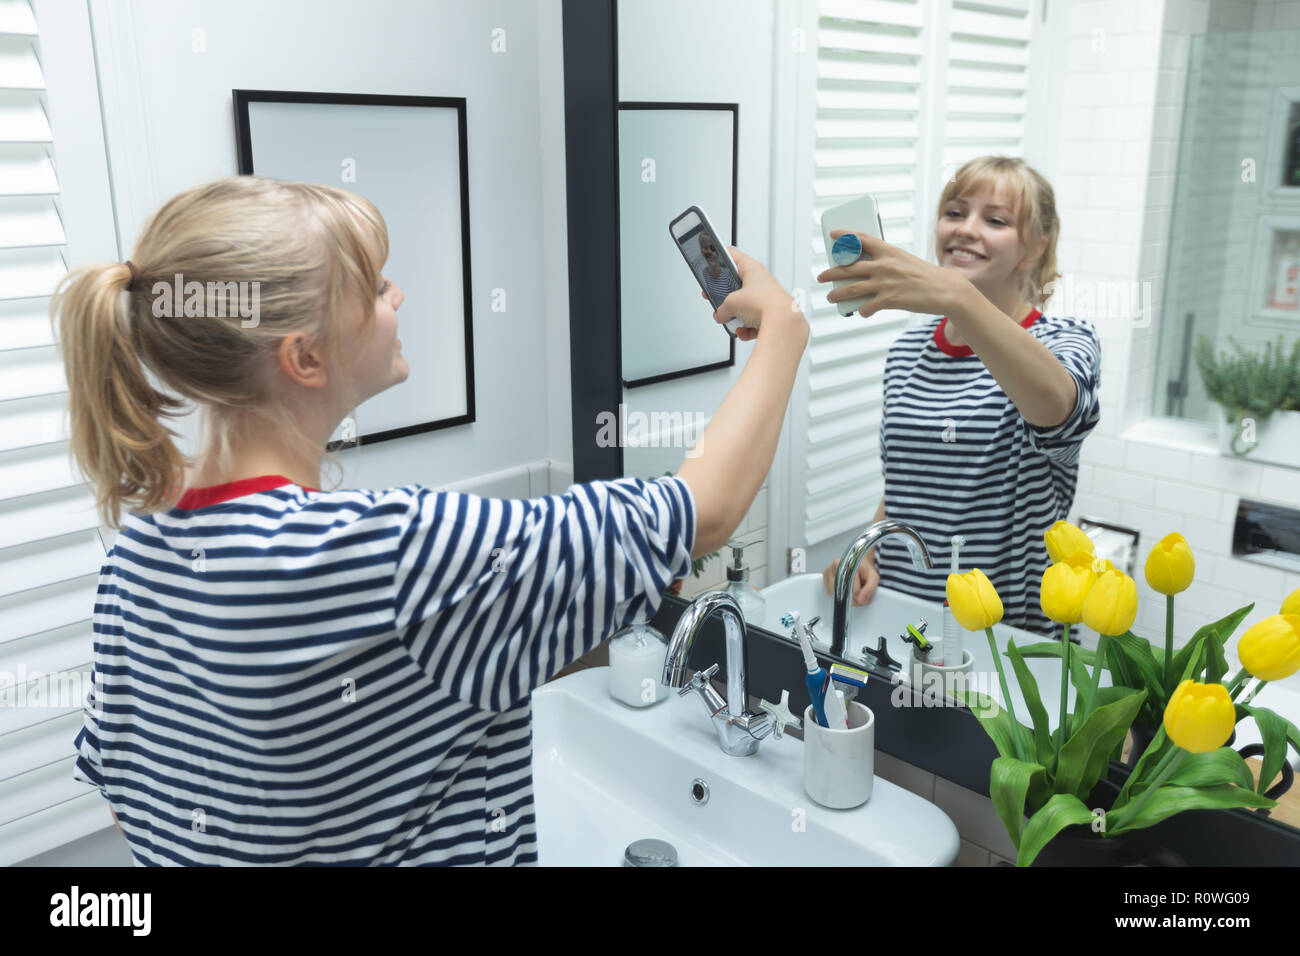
(752, 604)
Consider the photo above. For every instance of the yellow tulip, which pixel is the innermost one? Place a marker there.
(1112, 604)
(1170, 565)
(973, 600)
(1064, 540)
(1270, 650)
(1292, 603)
(1065, 585)
(1086, 559)
(1200, 717)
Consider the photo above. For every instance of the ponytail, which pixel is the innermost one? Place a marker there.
(116, 435)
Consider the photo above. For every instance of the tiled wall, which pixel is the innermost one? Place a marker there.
(1123, 116)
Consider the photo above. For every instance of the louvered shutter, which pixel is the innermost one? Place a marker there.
(50, 547)
(869, 129)
(905, 89)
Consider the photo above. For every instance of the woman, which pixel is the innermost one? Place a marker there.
(986, 408)
(301, 676)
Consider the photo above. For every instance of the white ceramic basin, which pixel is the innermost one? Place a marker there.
(606, 775)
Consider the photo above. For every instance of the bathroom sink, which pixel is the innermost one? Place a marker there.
(606, 775)
(889, 613)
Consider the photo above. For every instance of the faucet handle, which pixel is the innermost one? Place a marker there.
(699, 680)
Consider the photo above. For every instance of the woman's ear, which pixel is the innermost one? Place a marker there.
(302, 361)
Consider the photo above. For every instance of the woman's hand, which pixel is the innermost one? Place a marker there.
(865, 581)
(896, 279)
(759, 293)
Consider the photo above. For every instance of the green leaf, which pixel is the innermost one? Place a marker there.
(1053, 649)
(1169, 800)
(1043, 749)
(1219, 631)
(1222, 766)
(1084, 756)
(1063, 810)
(1150, 757)
(1082, 681)
(996, 722)
(1009, 783)
(1273, 731)
(1140, 654)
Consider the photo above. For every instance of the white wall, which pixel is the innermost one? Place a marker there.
(170, 126)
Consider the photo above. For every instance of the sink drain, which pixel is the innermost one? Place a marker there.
(650, 853)
(699, 792)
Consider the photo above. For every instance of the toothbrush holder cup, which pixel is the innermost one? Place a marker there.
(839, 765)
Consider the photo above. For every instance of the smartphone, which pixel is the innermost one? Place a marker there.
(708, 258)
(858, 215)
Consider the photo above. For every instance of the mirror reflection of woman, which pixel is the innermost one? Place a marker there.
(985, 407)
(717, 280)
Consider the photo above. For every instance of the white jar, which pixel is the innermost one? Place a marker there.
(636, 665)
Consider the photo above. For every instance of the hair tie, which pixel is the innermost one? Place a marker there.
(135, 274)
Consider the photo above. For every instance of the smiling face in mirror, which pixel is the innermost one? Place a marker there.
(977, 235)
(710, 253)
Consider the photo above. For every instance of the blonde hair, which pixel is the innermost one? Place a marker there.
(307, 248)
(1035, 211)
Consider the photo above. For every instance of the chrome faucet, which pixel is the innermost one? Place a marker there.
(848, 568)
(739, 729)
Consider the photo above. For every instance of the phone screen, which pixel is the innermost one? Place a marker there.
(706, 256)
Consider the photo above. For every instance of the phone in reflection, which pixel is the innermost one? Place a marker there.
(708, 258)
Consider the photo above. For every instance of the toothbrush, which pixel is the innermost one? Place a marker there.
(953, 653)
(816, 677)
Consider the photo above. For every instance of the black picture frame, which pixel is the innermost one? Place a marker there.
(734, 109)
(244, 149)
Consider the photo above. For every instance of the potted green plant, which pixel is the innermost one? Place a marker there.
(1258, 393)
(1045, 782)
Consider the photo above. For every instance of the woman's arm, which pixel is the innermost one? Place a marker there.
(1033, 378)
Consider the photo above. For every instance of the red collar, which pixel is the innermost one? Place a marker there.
(960, 350)
(196, 498)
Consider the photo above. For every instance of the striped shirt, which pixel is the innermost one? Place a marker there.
(300, 677)
(959, 458)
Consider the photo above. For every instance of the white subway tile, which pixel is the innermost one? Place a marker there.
(1280, 485)
(1268, 585)
(1286, 16)
(1123, 485)
(1218, 471)
(1191, 500)
(1156, 460)
(1102, 450)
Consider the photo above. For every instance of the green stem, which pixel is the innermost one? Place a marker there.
(1096, 675)
(1168, 764)
(1065, 683)
(1251, 696)
(1169, 642)
(1006, 695)
(1238, 679)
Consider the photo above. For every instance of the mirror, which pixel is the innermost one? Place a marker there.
(832, 107)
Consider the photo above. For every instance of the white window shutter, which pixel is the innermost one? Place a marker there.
(50, 546)
(905, 90)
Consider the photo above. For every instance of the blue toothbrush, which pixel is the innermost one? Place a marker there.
(816, 677)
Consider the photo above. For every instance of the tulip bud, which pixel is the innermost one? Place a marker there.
(1200, 717)
(1111, 606)
(973, 600)
(1170, 565)
(1292, 603)
(1270, 649)
(1064, 539)
(1065, 586)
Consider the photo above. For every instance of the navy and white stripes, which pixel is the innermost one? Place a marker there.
(292, 676)
(959, 458)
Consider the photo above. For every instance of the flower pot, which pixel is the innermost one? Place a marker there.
(1276, 439)
(1080, 846)
(1142, 738)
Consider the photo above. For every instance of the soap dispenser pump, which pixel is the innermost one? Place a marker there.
(752, 604)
